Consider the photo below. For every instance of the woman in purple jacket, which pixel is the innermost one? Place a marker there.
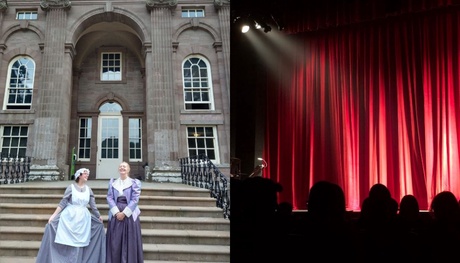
(124, 238)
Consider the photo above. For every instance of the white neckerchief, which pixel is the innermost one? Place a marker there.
(120, 184)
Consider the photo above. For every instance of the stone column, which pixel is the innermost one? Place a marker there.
(51, 131)
(223, 11)
(163, 145)
(3, 8)
(223, 56)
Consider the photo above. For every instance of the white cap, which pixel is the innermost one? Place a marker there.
(80, 172)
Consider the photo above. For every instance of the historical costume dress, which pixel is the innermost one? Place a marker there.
(124, 238)
(75, 235)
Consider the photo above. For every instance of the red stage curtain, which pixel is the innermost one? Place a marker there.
(369, 103)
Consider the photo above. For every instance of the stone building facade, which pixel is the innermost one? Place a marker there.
(105, 81)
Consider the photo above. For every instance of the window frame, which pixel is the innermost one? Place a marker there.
(20, 146)
(88, 132)
(192, 10)
(28, 91)
(199, 150)
(132, 137)
(28, 14)
(113, 50)
(191, 91)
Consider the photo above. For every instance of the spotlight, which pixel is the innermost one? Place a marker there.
(245, 28)
(267, 28)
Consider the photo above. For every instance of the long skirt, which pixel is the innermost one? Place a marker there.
(124, 238)
(51, 252)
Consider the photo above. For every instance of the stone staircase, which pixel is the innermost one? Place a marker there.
(180, 223)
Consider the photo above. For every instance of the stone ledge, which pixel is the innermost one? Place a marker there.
(44, 173)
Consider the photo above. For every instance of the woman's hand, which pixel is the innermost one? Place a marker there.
(120, 216)
(100, 219)
(51, 219)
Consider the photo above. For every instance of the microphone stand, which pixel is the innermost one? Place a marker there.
(258, 169)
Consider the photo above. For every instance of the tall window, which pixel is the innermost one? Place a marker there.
(111, 66)
(20, 83)
(84, 140)
(193, 12)
(14, 141)
(26, 15)
(197, 86)
(135, 139)
(202, 140)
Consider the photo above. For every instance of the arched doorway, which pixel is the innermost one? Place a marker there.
(109, 140)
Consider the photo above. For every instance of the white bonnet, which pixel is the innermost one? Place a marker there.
(79, 172)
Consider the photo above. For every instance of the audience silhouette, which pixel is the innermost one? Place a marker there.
(376, 224)
(444, 232)
(265, 230)
(326, 234)
(330, 234)
(254, 231)
(412, 231)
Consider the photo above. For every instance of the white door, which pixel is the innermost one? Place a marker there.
(109, 150)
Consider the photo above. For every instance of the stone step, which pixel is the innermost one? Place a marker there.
(155, 236)
(32, 260)
(147, 222)
(168, 252)
(100, 188)
(203, 253)
(180, 223)
(101, 199)
(146, 210)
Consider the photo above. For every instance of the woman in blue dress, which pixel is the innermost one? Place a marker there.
(73, 233)
(124, 238)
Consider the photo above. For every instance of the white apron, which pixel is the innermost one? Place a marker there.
(74, 228)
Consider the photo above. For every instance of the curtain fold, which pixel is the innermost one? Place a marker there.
(369, 103)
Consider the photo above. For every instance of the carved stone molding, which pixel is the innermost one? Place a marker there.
(48, 4)
(70, 49)
(218, 4)
(2, 48)
(41, 46)
(110, 96)
(194, 22)
(24, 24)
(150, 4)
(175, 45)
(217, 46)
(3, 5)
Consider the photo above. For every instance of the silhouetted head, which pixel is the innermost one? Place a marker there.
(326, 200)
(379, 192)
(379, 207)
(409, 208)
(260, 195)
(445, 207)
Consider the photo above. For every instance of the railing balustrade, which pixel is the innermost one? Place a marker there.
(14, 170)
(201, 172)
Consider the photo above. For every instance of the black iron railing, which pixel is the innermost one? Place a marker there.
(14, 170)
(201, 172)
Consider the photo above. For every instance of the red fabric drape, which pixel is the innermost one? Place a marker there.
(369, 103)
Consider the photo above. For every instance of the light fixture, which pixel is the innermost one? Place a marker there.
(264, 163)
(267, 28)
(255, 16)
(245, 28)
